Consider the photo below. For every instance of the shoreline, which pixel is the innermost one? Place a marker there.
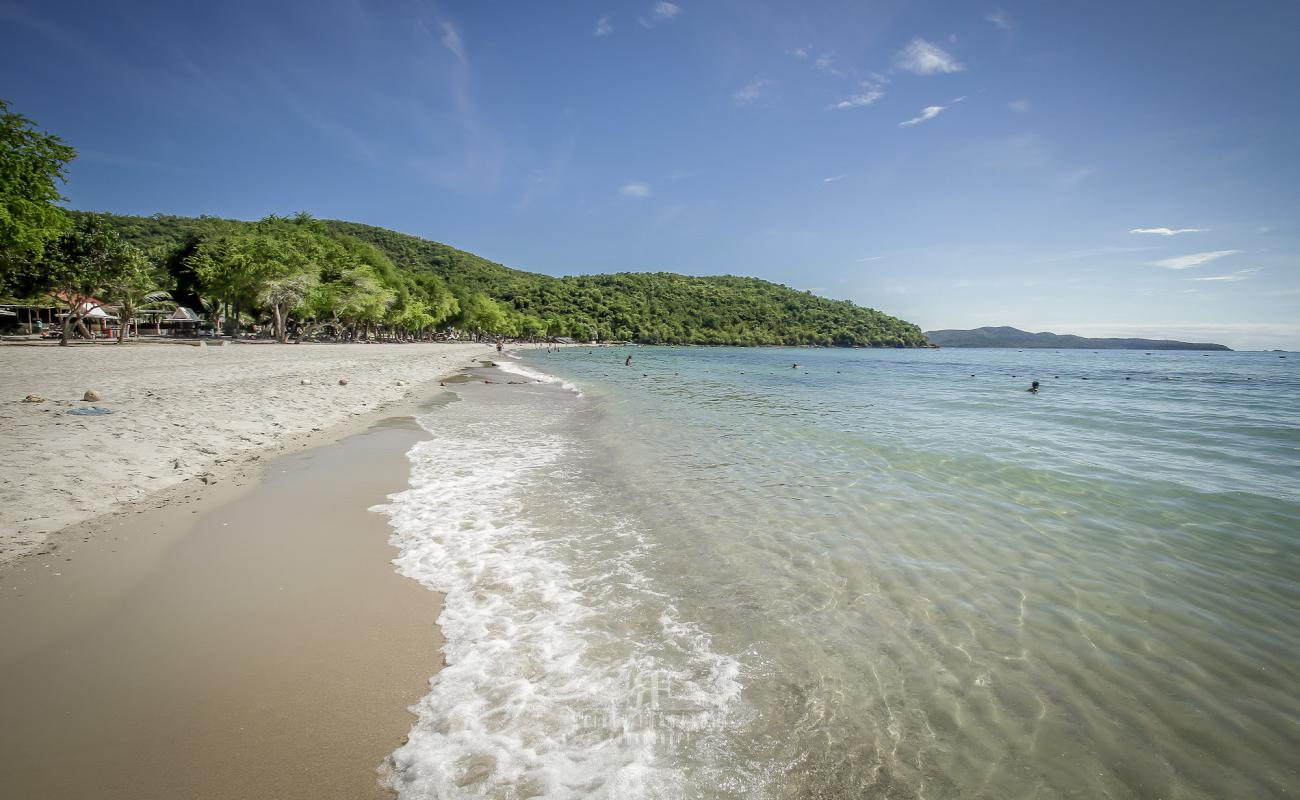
(245, 638)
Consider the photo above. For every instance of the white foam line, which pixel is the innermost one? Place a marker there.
(524, 707)
(532, 374)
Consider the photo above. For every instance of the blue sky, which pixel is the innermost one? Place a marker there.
(957, 164)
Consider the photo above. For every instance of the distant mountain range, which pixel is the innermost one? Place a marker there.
(1006, 336)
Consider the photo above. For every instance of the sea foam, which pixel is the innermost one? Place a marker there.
(515, 368)
(548, 689)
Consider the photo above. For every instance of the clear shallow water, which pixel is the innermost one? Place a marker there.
(712, 575)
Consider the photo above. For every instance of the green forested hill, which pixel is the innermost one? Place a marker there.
(656, 307)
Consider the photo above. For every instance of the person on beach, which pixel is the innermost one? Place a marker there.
(499, 346)
(1033, 388)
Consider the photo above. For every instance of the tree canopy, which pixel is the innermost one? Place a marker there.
(367, 275)
(32, 165)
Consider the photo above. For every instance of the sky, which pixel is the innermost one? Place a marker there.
(1102, 168)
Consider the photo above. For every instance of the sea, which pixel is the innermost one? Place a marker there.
(859, 573)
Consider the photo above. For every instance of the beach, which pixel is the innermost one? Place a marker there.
(179, 412)
(247, 636)
(706, 575)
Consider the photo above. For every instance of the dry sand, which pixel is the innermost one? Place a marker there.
(179, 412)
(236, 641)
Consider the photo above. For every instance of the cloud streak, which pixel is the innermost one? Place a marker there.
(866, 98)
(662, 12)
(604, 27)
(752, 93)
(1239, 275)
(1193, 259)
(451, 41)
(1000, 18)
(926, 58)
(634, 190)
(928, 113)
(1168, 231)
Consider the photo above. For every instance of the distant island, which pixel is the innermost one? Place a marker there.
(1006, 336)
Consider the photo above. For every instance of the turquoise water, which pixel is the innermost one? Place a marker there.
(879, 574)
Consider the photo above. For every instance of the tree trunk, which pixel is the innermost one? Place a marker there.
(281, 335)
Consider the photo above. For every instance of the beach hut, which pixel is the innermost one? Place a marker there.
(96, 319)
(183, 321)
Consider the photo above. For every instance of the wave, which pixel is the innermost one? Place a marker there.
(527, 372)
(567, 674)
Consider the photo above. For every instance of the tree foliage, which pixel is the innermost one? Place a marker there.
(32, 164)
(370, 276)
(82, 267)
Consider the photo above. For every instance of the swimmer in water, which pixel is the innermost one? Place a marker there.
(628, 362)
(1033, 388)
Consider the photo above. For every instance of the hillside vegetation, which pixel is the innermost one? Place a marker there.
(645, 307)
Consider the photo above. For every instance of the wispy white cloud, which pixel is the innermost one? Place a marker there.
(826, 63)
(799, 52)
(926, 58)
(666, 11)
(1019, 106)
(662, 12)
(751, 93)
(1239, 275)
(604, 27)
(1193, 260)
(1000, 18)
(451, 41)
(929, 112)
(868, 96)
(868, 258)
(634, 190)
(834, 178)
(1168, 231)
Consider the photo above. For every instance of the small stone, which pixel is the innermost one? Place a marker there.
(91, 396)
(304, 382)
(343, 381)
(33, 398)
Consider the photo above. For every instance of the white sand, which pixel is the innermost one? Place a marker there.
(179, 412)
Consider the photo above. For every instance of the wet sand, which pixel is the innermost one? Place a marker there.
(245, 640)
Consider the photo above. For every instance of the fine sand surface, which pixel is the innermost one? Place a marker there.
(179, 412)
(247, 640)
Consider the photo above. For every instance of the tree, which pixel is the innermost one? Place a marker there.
(481, 314)
(283, 294)
(81, 266)
(32, 164)
(137, 285)
(276, 265)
